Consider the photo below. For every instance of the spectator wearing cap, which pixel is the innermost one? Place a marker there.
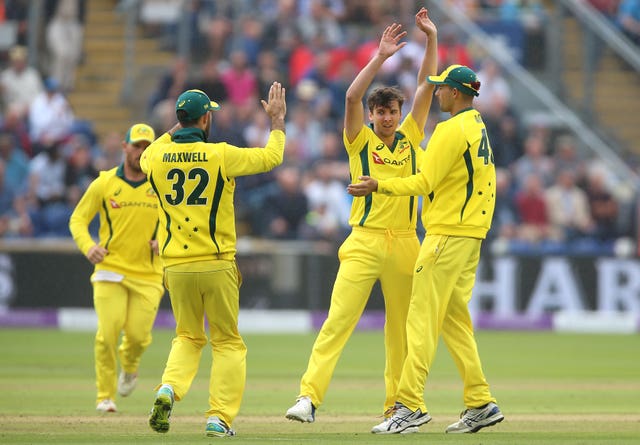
(65, 36)
(19, 83)
(50, 116)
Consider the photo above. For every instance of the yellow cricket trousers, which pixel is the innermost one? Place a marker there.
(208, 288)
(365, 256)
(129, 306)
(442, 285)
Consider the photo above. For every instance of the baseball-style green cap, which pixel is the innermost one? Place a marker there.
(195, 103)
(140, 132)
(460, 77)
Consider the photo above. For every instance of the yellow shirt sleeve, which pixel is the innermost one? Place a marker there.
(250, 161)
(84, 212)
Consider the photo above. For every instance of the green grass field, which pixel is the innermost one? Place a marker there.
(553, 389)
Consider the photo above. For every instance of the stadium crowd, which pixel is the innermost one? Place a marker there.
(553, 196)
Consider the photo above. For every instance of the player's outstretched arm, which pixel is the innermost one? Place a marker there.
(354, 113)
(276, 106)
(429, 67)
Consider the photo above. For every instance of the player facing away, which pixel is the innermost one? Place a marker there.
(383, 244)
(457, 178)
(127, 280)
(194, 181)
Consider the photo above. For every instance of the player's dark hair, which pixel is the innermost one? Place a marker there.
(383, 96)
(183, 118)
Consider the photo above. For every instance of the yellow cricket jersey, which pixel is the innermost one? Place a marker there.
(458, 177)
(194, 181)
(369, 156)
(128, 221)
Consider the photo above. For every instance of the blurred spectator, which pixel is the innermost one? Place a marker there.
(470, 8)
(629, 19)
(65, 36)
(285, 207)
(451, 50)
(534, 161)
(320, 20)
(566, 156)
(267, 72)
(80, 171)
(329, 204)
(226, 128)
(50, 210)
(603, 207)
(249, 40)
(14, 220)
(495, 99)
(608, 8)
(110, 154)
(531, 206)
(16, 163)
(210, 81)
(506, 141)
(568, 208)
(505, 216)
(50, 116)
(304, 136)
(240, 80)
(19, 83)
(12, 122)
(17, 11)
(172, 83)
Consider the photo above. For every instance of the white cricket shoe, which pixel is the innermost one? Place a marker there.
(127, 383)
(302, 411)
(403, 420)
(474, 419)
(106, 406)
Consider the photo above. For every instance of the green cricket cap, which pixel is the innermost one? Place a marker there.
(195, 103)
(460, 77)
(140, 132)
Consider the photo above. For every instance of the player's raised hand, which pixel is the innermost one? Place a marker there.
(96, 254)
(276, 107)
(424, 23)
(390, 42)
(366, 186)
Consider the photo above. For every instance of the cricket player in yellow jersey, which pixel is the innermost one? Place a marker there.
(127, 281)
(458, 180)
(383, 244)
(194, 181)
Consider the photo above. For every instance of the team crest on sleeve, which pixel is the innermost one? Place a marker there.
(403, 146)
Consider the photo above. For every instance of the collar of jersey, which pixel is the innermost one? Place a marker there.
(120, 174)
(185, 135)
(396, 138)
(463, 110)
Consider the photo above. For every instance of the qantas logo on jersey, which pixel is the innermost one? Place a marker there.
(386, 161)
(118, 205)
(184, 156)
(377, 159)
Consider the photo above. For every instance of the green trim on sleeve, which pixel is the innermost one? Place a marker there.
(368, 200)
